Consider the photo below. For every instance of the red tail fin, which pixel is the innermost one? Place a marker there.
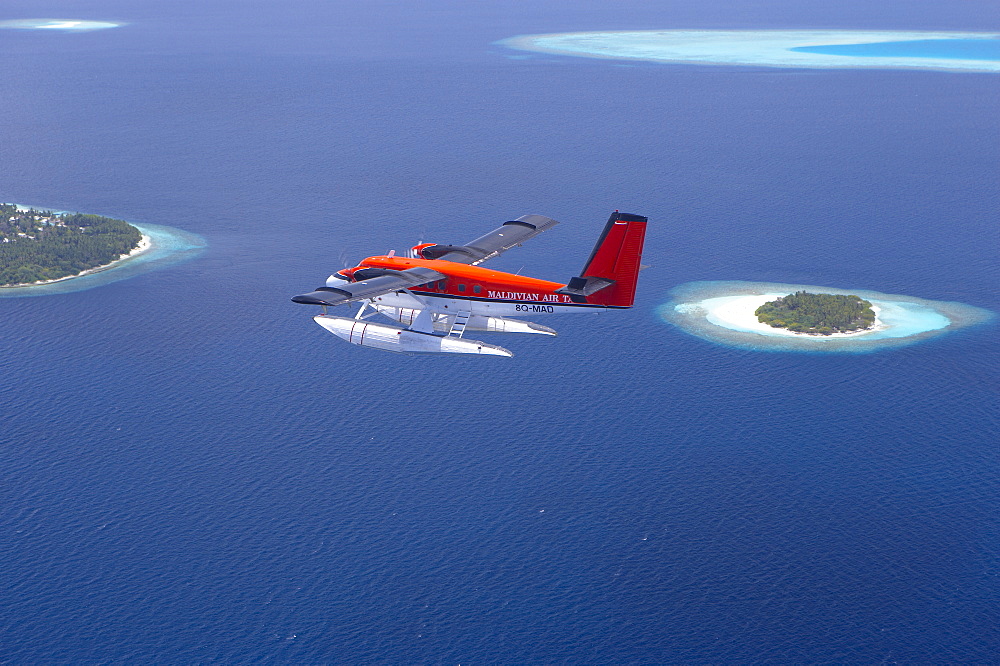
(616, 259)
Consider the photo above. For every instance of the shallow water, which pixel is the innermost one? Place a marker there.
(952, 49)
(906, 319)
(943, 51)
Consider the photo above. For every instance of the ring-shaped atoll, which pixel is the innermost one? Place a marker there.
(58, 25)
(723, 312)
(886, 49)
(162, 246)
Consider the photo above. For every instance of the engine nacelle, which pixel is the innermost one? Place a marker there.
(360, 274)
(418, 250)
(436, 251)
(357, 274)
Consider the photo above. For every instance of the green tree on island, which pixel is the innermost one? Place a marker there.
(818, 314)
(38, 245)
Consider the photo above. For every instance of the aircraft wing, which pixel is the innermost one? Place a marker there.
(494, 243)
(365, 289)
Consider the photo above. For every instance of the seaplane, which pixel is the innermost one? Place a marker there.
(436, 293)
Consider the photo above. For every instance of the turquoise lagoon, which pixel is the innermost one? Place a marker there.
(949, 51)
(698, 308)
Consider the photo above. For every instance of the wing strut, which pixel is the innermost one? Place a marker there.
(423, 322)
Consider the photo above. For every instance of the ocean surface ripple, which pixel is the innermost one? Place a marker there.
(192, 471)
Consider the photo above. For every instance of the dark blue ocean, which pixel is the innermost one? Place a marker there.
(192, 471)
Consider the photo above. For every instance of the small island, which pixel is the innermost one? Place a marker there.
(37, 247)
(817, 314)
(724, 312)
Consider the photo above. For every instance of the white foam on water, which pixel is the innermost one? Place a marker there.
(65, 25)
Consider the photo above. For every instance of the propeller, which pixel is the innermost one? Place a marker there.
(343, 259)
(336, 277)
(413, 253)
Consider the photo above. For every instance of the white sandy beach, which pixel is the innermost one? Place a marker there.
(737, 313)
(145, 244)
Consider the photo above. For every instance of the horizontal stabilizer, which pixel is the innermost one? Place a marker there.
(584, 286)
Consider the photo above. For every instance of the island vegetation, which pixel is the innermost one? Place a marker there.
(817, 314)
(40, 245)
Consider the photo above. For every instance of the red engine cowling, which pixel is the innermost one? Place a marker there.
(418, 250)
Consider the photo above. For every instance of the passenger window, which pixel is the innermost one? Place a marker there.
(477, 289)
(442, 284)
(461, 287)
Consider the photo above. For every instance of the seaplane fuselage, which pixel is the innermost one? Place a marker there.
(439, 291)
(474, 289)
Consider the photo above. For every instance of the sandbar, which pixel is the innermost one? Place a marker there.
(761, 48)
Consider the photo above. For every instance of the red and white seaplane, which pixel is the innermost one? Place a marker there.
(439, 292)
